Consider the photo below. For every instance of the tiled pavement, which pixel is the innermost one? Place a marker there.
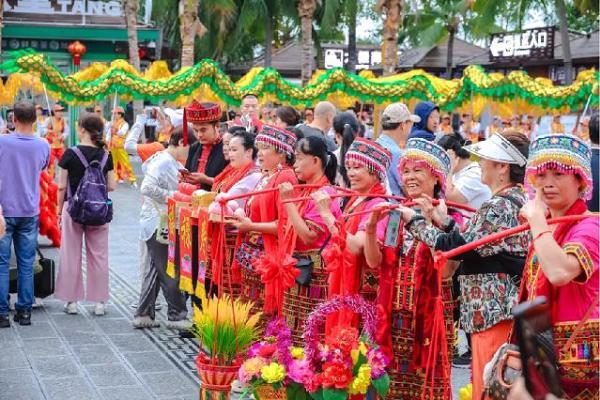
(63, 357)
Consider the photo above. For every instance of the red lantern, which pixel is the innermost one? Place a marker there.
(142, 52)
(77, 50)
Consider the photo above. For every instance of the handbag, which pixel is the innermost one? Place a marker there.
(306, 265)
(162, 231)
(506, 365)
(45, 280)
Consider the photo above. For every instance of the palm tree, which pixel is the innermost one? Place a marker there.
(391, 23)
(1, 21)
(306, 11)
(561, 10)
(189, 27)
(131, 12)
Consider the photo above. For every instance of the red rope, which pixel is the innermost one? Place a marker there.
(504, 234)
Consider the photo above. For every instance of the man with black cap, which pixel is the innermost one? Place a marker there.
(206, 159)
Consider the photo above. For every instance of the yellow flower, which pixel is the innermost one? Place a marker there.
(273, 373)
(360, 384)
(354, 355)
(363, 348)
(298, 353)
(253, 365)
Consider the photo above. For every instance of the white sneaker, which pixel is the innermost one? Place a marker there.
(144, 322)
(71, 308)
(37, 303)
(134, 185)
(121, 181)
(183, 325)
(99, 309)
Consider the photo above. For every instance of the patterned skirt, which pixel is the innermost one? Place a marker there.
(578, 367)
(252, 289)
(299, 301)
(407, 382)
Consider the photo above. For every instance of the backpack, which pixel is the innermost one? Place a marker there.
(90, 205)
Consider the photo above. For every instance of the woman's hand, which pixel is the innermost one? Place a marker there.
(242, 224)
(376, 216)
(2, 224)
(440, 213)
(406, 213)
(286, 191)
(323, 202)
(534, 211)
(426, 206)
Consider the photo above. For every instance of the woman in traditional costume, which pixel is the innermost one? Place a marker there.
(563, 261)
(314, 166)
(366, 166)
(258, 229)
(489, 276)
(239, 177)
(411, 295)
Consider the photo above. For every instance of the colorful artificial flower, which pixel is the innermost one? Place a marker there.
(313, 383)
(344, 339)
(251, 368)
(273, 373)
(361, 383)
(267, 350)
(299, 371)
(377, 361)
(298, 353)
(336, 375)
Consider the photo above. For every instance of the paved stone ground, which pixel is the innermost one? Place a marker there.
(63, 357)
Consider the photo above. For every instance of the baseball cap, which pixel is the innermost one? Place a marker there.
(398, 112)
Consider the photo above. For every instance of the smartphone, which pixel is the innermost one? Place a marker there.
(533, 329)
(391, 233)
(184, 171)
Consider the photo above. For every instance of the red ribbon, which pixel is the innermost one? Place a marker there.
(278, 274)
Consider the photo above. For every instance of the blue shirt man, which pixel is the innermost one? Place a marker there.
(396, 122)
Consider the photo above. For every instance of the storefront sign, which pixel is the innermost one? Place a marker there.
(535, 43)
(36, 44)
(66, 7)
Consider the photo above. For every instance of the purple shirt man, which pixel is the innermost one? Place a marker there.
(23, 157)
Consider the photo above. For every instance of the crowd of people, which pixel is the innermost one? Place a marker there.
(349, 213)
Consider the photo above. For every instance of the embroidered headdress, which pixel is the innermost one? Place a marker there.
(279, 138)
(565, 153)
(370, 154)
(434, 157)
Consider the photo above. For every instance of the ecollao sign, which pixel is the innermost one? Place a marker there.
(537, 43)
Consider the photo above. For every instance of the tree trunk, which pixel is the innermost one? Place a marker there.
(306, 10)
(391, 24)
(450, 51)
(352, 53)
(1, 21)
(565, 41)
(189, 27)
(131, 12)
(269, 39)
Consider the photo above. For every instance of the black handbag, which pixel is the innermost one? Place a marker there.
(44, 272)
(306, 265)
(43, 282)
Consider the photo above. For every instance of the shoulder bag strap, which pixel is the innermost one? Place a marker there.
(104, 160)
(81, 157)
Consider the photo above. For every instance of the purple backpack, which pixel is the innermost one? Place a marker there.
(90, 204)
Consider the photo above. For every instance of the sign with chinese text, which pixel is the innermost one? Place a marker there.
(532, 44)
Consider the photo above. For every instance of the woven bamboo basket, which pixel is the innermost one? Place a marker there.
(268, 392)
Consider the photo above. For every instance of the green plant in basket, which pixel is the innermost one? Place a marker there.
(225, 328)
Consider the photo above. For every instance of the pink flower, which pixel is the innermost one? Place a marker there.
(378, 361)
(299, 371)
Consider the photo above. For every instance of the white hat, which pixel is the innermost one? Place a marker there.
(175, 116)
(497, 148)
(398, 112)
